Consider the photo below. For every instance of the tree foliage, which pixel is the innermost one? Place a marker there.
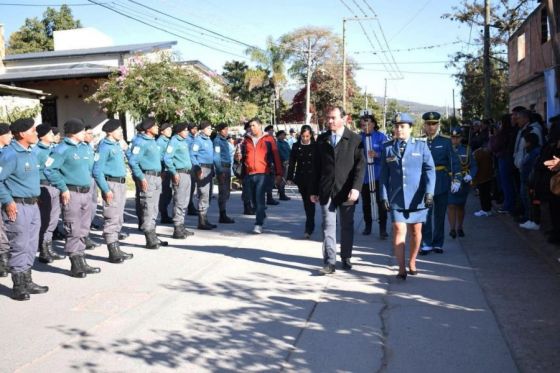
(37, 35)
(11, 115)
(165, 91)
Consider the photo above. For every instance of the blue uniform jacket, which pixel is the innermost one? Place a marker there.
(446, 162)
(190, 140)
(19, 173)
(222, 153)
(69, 164)
(202, 150)
(177, 155)
(109, 161)
(162, 143)
(144, 155)
(404, 181)
(376, 141)
(42, 151)
(283, 150)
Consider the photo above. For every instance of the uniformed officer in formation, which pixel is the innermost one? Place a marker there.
(222, 164)
(145, 162)
(137, 204)
(68, 169)
(202, 157)
(49, 200)
(5, 139)
(165, 132)
(109, 172)
(193, 132)
(407, 187)
(448, 179)
(88, 141)
(177, 160)
(19, 194)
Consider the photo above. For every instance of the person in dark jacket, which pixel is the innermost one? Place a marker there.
(338, 170)
(502, 143)
(547, 166)
(284, 151)
(300, 172)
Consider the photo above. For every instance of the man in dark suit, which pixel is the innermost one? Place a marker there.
(338, 175)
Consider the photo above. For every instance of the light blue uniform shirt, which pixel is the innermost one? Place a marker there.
(19, 173)
(109, 161)
(69, 164)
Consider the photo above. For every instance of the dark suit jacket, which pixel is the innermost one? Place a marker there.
(338, 170)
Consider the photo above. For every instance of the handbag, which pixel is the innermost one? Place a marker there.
(555, 184)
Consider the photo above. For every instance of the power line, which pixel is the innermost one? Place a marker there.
(410, 49)
(413, 72)
(164, 30)
(404, 63)
(43, 5)
(412, 19)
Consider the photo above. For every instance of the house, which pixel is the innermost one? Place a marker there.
(72, 74)
(532, 80)
(15, 101)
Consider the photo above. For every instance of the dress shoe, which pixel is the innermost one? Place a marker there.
(346, 264)
(453, 233)
(460, 232)
(438, 250)
(272, 202)
(224, 219)
(367, 230)
(327, 270)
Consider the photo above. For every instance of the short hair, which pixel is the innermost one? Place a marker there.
(254, 119)
(518, 109)
(270, 127)
(280, 133)
(340, 109)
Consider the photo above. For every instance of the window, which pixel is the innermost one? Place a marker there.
(521, 47)
(545, 36)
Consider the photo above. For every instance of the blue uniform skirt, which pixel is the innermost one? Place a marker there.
(459, 198)
(408, 216)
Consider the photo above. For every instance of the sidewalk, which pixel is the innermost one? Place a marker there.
(227, 300)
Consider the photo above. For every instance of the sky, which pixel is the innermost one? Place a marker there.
(408, 26)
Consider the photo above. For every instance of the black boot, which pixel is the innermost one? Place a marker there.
(284, 197)
(77, 266)
(114, 254)
(248, 210)
(90, 245)
(152, 241)
(4, 269)
(225, 219)
(179, 232)
(52, 253)
(187, 232)
(367, 229)
(202, 223)
(19, 291)
(208, 223)
(124, 254)
(32, 287)
(90, 270)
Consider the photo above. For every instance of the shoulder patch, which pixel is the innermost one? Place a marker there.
(96, 157)
(49, 162)
(217, 149)
(135, 150)
(169, 149)
(195, 147)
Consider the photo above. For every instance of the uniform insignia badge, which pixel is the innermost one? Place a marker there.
(217, 149)
(96, 157)
(431, 116)
(135, 150)
(195, 147)
(49, 162)
(169, 149)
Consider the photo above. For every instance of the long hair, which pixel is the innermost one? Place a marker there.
(306, 128)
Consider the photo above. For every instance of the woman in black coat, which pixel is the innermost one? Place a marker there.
(300, 172)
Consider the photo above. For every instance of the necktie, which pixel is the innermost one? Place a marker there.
(334, 140)
(402, 147)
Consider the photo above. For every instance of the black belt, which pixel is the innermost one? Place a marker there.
(153, 173)
(121, 180)
(207, 165)
(26, 200)
(79, 189)
(45, 182)
(226, 164)
(183, 171)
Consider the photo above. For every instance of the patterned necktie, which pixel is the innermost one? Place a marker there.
(334, 140)
(402, 147)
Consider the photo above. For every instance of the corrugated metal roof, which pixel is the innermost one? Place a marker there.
(56, 72)
(144, 47)
(18, 91)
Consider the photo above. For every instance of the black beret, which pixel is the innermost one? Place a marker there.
(147, 123)
(165, 126)
(55, 130)
(43, 129)
(73, 126)
(111, 125)
(220, 126)
(190, 126)
(22, 125)
(4, 128)
(204, 124)
(180, 127)
(431, 116)
(270, 127)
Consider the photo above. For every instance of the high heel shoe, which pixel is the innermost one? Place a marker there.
(453, 233)
(413, 272)
(401, 276)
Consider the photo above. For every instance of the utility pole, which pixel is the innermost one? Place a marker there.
(308, 85)
(487, 94)
(385, 107)
(453, 102)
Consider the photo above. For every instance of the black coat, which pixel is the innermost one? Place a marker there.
(300, 169)
(338, 170)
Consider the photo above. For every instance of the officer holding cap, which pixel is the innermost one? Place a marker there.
(68, 169)
(202, 157)
(49, 200)
(5, 139)
(448, 179)
(19, 192)
(145, 163)
(109, 172)
(177, 160)
(222, 163)
(407, 181)
(165, 132)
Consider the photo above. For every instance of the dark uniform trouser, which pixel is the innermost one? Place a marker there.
(113, 214)
(433, 229)
(49, 206)
(181, 197)
(246, 196)
(224, 189)
(305, 191)
(366, 206)
(193, 188)
(149, 201)
(75, 217)
(93, 190)
(4, 242)
(204, 190)
(166, 194)
(137, 204)
(346, 213)
(23, 235)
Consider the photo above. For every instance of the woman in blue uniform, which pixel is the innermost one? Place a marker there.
(407, 187)
(457, 201)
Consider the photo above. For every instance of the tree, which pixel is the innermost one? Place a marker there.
(37, 35)
(165, 91)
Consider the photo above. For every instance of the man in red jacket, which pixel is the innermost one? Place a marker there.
(259, 149)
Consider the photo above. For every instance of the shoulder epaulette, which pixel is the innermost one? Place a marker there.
(445, 136)
(420, 138)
